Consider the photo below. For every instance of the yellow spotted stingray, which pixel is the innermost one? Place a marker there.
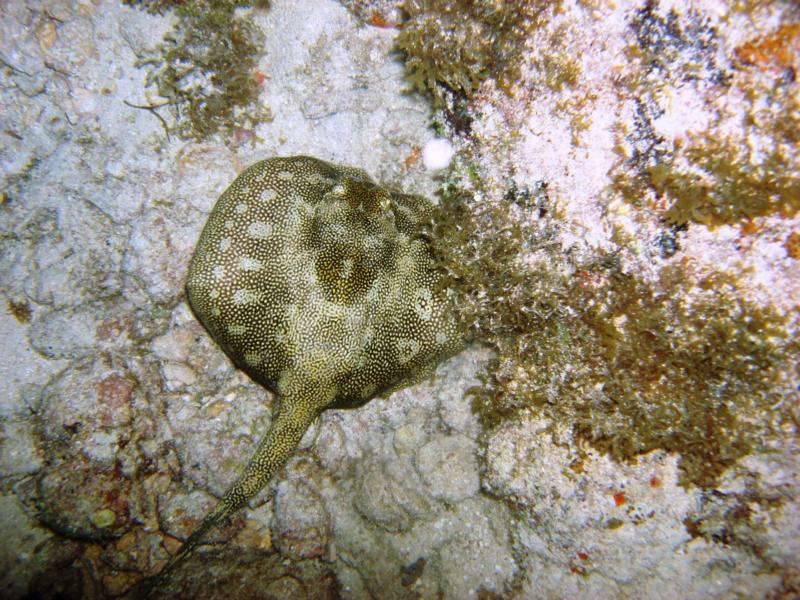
(318, 284)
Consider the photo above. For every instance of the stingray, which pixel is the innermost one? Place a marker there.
(322, 287)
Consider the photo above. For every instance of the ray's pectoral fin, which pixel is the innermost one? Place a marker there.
(290, 421)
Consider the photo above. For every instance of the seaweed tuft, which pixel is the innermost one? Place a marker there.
(456, 45)
(206, 68)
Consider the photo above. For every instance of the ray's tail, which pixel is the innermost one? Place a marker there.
(288, 426)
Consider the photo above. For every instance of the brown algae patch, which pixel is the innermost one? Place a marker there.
(685, 363)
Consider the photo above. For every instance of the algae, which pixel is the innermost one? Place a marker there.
(684, 363)
(456, 45)
(717, 179)
(713, 176)
(206, 69)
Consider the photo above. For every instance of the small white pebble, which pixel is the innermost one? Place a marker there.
(437, 154)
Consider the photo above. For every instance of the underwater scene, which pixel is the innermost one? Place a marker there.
(399, 299)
